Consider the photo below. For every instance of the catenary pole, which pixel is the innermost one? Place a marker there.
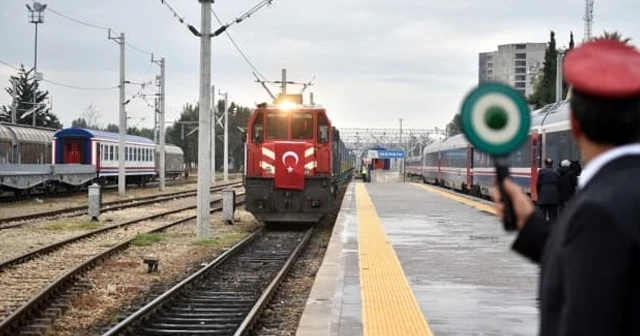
(203, 229)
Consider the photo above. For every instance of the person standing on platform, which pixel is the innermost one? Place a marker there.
(548, 188)
(590, 259)
(364, 172)
(568, 183)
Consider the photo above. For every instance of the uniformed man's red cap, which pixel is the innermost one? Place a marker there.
(604, 68)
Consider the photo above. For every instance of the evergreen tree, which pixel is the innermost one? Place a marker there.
(189, 142)
(565, 87)
(454, 126)
(545, 84)
(613, 36)
(26, 85)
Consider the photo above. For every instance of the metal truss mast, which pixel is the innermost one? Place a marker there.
(411, 140)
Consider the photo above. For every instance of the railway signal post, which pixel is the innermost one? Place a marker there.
(496, 119)
(203, 229)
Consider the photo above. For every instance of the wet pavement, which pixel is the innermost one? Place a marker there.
(457, 259)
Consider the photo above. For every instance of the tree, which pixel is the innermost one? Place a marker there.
(454, 126)
(26, 85)
(616, 36)
(79, 123)
(112, 128)
(565, 87)
(182, 133)
(545, 86)
(92, 117)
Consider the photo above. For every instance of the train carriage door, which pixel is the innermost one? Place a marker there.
(535, 158)
(72, 151)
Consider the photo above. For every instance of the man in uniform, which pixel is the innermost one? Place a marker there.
(590, 260)
(548, 189)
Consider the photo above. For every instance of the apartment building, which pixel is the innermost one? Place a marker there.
(513, 64)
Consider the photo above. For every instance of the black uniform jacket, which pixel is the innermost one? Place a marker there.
(548, 187)
(590, 259)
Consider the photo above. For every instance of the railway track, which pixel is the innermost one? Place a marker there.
(36, 310)
(226, 296)
(12, 198)
(11, 222)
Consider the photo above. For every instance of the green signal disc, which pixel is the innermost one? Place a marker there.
(495, 119)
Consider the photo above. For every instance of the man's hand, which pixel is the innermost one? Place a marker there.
(522, 205)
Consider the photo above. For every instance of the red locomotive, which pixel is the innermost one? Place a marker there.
(295, 161)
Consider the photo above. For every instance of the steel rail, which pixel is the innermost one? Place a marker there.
(253, 315)
(57, 245)
(109, 206)
(158, 303)
(12, 324)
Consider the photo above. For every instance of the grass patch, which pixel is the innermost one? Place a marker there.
(146, 239)
(219, 241)
(67, 226)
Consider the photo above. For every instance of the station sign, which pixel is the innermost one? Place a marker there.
(391, 154)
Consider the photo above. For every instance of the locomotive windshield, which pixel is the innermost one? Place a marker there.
(302, 126)
(277, 126)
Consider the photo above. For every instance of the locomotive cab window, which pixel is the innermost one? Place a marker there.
(302, 126)
(277, 125)
(257, 130)
(323, 129)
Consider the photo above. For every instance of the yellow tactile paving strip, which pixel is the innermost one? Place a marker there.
(388, 305)
(450, 195)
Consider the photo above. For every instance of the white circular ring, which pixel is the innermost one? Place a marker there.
(483, 131)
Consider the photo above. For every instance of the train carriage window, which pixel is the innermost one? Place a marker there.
(111, 155)
(302, 126)
(277, 125)
(323, 129)
(126, 153)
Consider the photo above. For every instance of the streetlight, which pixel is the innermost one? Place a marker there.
(36, 16)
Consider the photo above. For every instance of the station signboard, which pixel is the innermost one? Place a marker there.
(390, 154)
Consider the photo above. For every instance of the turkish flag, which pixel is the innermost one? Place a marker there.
(289, 164)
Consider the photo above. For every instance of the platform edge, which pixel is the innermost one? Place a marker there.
(321, 314)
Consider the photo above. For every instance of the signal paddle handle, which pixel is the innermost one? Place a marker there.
(509, 219)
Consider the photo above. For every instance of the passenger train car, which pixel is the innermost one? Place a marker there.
(453, 162)
(100, 149)
(413, 166)
(295, 162)
(28, 163)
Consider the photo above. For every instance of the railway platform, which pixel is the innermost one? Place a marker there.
(413, 259)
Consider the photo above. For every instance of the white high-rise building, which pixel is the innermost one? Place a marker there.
(513, 64)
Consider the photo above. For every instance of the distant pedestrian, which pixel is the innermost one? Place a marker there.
(568, 183)
(548, 188)
(364, 172)
(576, 167)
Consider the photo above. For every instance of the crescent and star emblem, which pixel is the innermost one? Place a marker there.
(290, 154)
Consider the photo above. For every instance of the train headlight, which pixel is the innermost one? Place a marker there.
(287, 105)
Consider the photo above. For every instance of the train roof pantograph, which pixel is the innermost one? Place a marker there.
(101, 135)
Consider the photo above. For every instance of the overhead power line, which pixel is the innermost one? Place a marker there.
(65, 85)
(246, 59)
(91, 25)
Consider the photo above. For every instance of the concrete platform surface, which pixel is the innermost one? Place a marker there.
(455, 257)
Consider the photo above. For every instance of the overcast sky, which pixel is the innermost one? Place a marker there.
(375, 61)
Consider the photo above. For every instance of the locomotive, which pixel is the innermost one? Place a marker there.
(295, 161)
